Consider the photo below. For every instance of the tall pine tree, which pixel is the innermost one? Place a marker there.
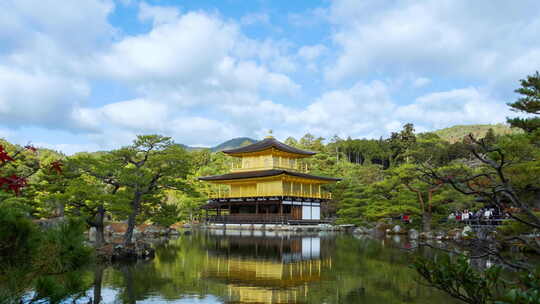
(529, 103)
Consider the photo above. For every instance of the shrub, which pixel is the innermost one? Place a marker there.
(18, 236)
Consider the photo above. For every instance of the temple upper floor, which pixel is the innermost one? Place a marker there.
(268, 162)
(268, 154)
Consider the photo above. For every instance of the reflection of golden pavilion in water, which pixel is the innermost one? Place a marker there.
(269, 269)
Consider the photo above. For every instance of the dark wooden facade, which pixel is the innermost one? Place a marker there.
(264, 210)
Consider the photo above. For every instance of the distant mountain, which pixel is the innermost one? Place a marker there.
(457, 133)
(229, 144)
(234, 143)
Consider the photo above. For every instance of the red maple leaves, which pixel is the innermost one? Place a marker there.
(57, 166)
(31, 148)
(4, 156)
(14, 182)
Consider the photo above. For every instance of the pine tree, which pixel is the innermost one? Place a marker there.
(490, 138)
(529, 103)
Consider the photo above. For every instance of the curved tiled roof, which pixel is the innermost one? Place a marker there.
(264, 173)
(268, 143)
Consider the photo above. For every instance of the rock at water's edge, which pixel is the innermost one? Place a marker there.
(413, 234)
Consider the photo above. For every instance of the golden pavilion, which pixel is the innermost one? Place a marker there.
(268, 183)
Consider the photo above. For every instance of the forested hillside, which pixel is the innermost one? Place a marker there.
(457, 133)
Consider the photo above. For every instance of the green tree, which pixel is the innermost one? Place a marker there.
(291, 141)
(311, 142)
(506, 177)
(529, 103)
(490, 137)
(144, 169)
(429, 147)
(89, 198)
(415, 182)
(95, 190)
(401, 143)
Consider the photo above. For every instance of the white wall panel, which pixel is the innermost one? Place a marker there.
(315, 213)
(306, 212)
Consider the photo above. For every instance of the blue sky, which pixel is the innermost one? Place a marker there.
(92, 74)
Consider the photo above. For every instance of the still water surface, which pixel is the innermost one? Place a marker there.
(256, 267)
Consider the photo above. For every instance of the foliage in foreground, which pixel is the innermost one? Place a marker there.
(456, 276)
(506, 178)
(43, 260)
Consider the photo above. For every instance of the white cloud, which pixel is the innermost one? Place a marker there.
(197, 76)
(38, 98)
(69, 149)
(138, 114)
(480, 40)
(459, 106)
(195, 52)
(357, 111)
(255, 18)
(183, 51)
(311, 52)
(157, 14)
(5, 133)
(421, 81)
(45, 33)
(309, 18)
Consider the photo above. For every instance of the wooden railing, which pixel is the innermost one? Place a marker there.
(224, 194)
(299, 167)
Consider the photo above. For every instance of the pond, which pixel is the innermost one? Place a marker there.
(218, 266)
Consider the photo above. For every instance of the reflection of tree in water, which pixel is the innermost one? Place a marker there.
(98, 278)
(129, 295)
(367, 272)
(136, 280)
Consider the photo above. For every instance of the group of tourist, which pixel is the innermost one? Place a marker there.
(481, 214)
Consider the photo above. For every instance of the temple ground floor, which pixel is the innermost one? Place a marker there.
(264, 210)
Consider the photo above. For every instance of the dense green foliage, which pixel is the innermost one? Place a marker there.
(44, 259)
(528, 103)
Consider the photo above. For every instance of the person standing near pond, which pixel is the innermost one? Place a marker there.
(465, 215)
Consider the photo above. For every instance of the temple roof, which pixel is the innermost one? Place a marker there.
(264, 173)
(268, 143)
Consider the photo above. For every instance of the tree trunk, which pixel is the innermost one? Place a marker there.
(135, 205)
(426, 222)
(59, 209)
(100, 235)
